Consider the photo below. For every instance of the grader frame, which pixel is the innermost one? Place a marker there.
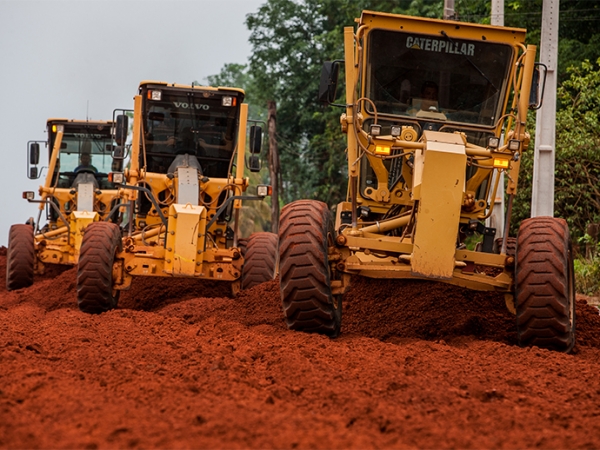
(434, 111)
(184, 196)
(71, 196)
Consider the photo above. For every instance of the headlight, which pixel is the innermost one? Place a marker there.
(154, 94)
(375, 130)
(493, 142)
(263, 190)
(228, 101)
(514, 145)
(116, 177)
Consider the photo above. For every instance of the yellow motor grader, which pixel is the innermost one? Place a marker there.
(184, 190)
(76, 193)
(434, 111)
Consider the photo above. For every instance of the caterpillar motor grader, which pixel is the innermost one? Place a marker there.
(434, 110)
(76, 193)
(183, 190)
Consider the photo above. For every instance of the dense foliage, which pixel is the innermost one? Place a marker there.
(577, 162)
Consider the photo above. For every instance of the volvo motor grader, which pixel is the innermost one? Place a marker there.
(434, 111)
(183, 188)
(76, 193)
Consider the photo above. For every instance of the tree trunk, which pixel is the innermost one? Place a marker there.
(273, 165)
(590, 247)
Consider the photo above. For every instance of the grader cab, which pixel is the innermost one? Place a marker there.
(184, 190)
(76, 193)
(434, 111)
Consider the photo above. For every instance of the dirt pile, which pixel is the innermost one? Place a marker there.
(180, 364)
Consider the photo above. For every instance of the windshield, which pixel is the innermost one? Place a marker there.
(199, 123)
(84, 145)
(435, 77)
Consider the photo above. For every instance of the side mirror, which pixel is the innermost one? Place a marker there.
(118, 153)
(33, 173)
(122, 128)
(255, 139)
(117, 165)
(329, 81)
(34, 153)
(254, 163)
(538, 83)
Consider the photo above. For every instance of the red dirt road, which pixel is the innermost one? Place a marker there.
(181, 365)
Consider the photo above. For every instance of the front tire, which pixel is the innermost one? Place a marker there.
(20, 257)
(545, 287)
(101, 242)
(306, 232)
(260, 259)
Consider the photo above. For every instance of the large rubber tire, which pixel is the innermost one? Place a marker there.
(20, 257)
(545, 284)
(95, 293)
(260, 259)
(306, 232)
(243, 245)
(511, 246)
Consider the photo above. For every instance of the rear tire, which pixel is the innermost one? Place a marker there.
(260, 259)
(306, 232)
(545, 284)
(20, 257)
(101, 242)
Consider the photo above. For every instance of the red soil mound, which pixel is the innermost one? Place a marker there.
(181, 364)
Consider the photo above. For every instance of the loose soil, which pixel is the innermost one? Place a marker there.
(180, 364)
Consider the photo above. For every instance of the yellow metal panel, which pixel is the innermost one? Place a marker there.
(454, 29)
(185, 239)
(441, 196)
(79, 220)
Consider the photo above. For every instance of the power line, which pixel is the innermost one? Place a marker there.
(535, 13)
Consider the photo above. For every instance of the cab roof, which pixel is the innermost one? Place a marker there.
(187, 86)
(79, 122)
(455, 29)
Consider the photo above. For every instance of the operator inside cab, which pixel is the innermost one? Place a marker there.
(85, 172)
(85, 159)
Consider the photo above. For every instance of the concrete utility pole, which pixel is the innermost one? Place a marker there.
(496, 220)
(542, 201)
(448, 9)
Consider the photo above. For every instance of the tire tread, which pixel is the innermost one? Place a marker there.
(20, 257)
(101, 241)
(544, 294)
(304, 269)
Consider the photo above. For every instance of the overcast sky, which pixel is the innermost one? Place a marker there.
(84, 58)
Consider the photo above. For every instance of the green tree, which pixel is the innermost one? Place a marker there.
(290, 42)
(577, 160)
(579, 28)
(238, 76)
